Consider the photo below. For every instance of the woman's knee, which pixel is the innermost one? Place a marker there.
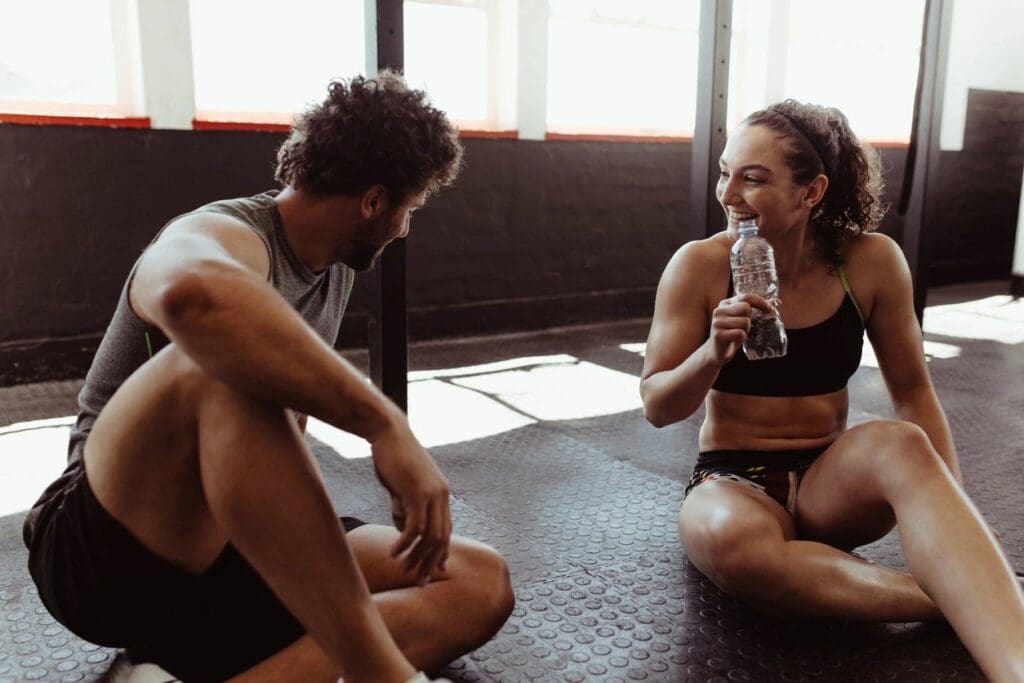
(897, 453)
(739, 555)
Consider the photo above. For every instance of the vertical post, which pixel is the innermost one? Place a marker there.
(923, 154)
(778, 51)
(165, 52)
(532, 71)
(712, 102)
(388, 324)
(1017, 275)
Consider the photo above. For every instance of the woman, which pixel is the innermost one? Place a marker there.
(782, 489)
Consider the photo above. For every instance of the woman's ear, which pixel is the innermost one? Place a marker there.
(816, 191)
(374, 201)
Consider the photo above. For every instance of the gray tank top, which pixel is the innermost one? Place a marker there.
(320, 298)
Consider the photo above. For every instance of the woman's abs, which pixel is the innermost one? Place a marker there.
(735, 421)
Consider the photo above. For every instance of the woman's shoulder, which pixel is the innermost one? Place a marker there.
(710, 252)
(874, 253)
(699, 269)
(876, 270)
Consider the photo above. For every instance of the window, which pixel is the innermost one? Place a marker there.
(859, 57)
(68, 58)
(263, 61)
(622, 68)
(461, 52)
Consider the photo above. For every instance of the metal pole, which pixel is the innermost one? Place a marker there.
(923, 154)
(388, 327)
(1017, 272)
(710, 127)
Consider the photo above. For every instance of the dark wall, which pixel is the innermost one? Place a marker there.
(977, 192)
(534, 234)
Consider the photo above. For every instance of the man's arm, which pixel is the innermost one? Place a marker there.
(204, 284)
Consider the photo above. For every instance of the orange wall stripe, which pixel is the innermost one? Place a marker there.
(100, 121)
(492, 134)
(600, 137)
(198, 124)
(887, 144)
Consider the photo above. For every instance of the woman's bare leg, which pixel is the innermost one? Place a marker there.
(746, 543)
(949, 548)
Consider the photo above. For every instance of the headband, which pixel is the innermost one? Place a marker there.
(800, 129)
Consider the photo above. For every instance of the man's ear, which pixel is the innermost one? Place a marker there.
(374, 201)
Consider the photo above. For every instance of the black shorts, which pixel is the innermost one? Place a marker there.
(105, 586)
(777, 474)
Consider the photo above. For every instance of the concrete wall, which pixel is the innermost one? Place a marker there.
(534, 234)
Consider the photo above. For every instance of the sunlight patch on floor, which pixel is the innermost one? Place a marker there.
(571, 391)
(932, 349)
(995, 318)
(497, 366)
(639, 348)
(452, 405)
(440, 413)
(32, 454)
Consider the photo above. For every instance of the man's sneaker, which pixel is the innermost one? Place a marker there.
(123, 671)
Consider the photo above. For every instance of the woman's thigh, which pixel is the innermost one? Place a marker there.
(840, 500)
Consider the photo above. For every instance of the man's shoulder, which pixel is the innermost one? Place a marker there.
(240, 207)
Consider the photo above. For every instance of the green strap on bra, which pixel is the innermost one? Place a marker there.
(846, 286)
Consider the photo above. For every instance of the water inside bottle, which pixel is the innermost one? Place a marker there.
(766, 339)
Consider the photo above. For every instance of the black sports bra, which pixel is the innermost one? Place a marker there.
(819, 359)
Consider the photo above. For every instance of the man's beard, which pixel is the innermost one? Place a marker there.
(364, 257)
(369, 243)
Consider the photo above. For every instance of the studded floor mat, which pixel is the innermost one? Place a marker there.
(553, 464)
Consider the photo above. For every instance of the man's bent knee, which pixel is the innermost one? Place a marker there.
(485, 575)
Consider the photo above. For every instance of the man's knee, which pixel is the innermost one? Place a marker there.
(199, 393)
(484, 574)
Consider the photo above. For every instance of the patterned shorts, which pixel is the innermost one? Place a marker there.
(775, 473)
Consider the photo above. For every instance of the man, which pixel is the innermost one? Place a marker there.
(192, 526)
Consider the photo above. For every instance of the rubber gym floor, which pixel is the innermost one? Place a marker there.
(551, 461)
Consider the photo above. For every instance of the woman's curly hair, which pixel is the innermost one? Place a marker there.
(370, 131)
(819, 140)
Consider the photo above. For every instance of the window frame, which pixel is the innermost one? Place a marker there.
(123, 113)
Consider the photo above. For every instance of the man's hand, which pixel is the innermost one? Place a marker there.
(419, 499)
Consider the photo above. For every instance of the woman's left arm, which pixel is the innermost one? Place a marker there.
(896, 337)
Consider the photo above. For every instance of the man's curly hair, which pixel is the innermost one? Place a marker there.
(370, 131)
(819, 140)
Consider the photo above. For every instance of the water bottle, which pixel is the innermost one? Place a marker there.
(753, 272)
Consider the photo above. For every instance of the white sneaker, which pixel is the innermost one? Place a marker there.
(123, 671)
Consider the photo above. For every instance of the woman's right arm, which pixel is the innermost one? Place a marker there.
(686, 347)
